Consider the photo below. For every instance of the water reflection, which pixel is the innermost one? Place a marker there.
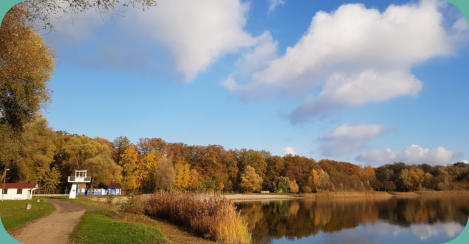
(357, 221)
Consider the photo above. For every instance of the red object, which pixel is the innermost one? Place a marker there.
(18, 185)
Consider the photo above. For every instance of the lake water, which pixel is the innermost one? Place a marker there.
(400, 221)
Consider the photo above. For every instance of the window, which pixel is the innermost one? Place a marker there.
(6, 191)
(19, 191)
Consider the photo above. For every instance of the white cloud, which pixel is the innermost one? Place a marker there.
(274, 4)
(425, 231)
(465, 161)
(356, 54)
(289, 150)
(413, 154)
(197, 31)
(346, 139)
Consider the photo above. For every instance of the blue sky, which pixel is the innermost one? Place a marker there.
(368, 82)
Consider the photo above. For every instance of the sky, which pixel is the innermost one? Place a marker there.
(368, 82)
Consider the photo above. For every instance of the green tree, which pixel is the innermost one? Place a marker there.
(50, 180)
(283, 184)
(250, 180)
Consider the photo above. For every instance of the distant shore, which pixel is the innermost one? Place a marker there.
(240, 197)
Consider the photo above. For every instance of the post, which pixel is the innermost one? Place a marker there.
(4, 178)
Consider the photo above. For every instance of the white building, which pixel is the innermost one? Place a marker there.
(17, 191)
(80, 177)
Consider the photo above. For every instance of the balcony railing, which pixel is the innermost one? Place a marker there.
(79, 179)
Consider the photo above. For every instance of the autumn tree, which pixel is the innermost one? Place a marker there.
(26, 64)
(147, 169)
(81, 152)
(183, 176)
(294, 188)
(250, 180)
(129, 162)
(252, 158)
(120, 144)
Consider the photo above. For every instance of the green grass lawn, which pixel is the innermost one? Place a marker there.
(14, 213)
(98, 226)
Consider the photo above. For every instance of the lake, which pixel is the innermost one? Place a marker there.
(434, 220)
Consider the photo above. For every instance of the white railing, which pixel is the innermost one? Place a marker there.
(79, 179)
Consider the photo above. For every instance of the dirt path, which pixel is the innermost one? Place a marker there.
(54, 228)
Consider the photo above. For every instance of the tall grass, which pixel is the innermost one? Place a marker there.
(210, 216)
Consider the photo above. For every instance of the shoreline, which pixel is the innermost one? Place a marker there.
(368, 195)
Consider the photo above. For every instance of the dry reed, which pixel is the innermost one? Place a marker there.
(210, 216)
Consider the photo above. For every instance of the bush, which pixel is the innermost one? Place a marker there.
(132, 205)
(212, 217)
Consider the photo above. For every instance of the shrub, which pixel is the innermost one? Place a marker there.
(132, 205)
(210, 216)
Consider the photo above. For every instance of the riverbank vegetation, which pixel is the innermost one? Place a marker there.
(14, 213)
(210, 216)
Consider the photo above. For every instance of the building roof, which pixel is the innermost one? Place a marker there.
(18, 185)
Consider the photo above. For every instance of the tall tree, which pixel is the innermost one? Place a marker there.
(120, 144)
(250, 180)
(26, 63)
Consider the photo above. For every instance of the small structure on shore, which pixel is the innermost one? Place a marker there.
(80, 177)
(17, 191)
(110, 189)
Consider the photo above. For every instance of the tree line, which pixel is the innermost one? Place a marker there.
(35, 153)
(48, 157)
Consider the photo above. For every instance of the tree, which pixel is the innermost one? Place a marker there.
(294, 186)
(183, 176)
(283, 184)
(405, 182)
(252, 158)
(81, 152)
(120, 144)
(26, 64)
(129, 164)
(250, 180)
(41, 11)
(50, 180)
(164, 179)
(147, 145)
(147, 167)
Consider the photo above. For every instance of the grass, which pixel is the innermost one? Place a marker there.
(211, 217)
(14, 213)
(98, 226)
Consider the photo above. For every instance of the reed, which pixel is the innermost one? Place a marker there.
(210, 216)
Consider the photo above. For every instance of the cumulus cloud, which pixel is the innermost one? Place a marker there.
(196, 32)
(289, 150)
(274, 4)
(355, 54)
(465, 161)
(347, 139)
(413, 154)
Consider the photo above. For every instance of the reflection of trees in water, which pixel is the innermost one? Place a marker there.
(297, 219)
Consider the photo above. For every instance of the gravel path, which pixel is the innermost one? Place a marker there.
(54, 228)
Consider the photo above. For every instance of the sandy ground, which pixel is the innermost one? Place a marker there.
(54, 228)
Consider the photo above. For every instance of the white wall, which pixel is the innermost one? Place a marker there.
(11, 194)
